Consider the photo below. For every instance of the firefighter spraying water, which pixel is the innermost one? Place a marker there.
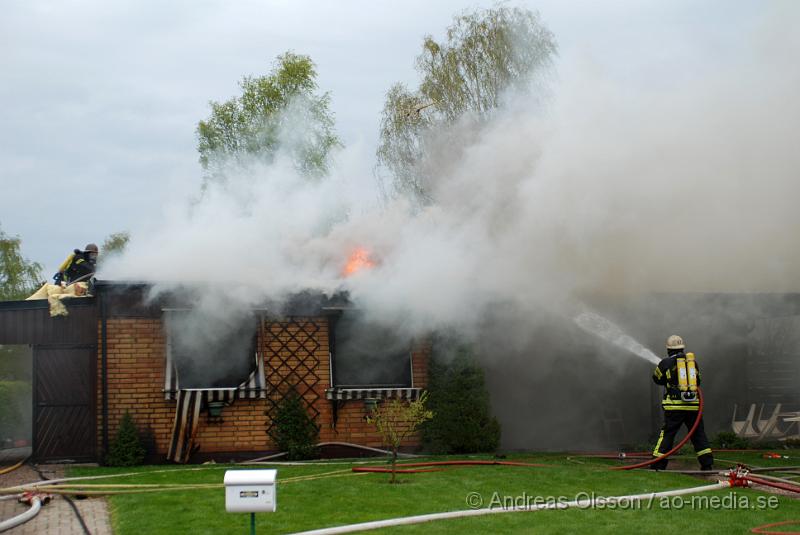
(682, 402)
(680, 377)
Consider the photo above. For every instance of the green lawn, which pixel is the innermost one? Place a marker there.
(343, 499)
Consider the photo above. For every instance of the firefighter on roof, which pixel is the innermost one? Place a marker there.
(79, 266)
(680, 376)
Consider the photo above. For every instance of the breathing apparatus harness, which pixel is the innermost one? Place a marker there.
(687, 376)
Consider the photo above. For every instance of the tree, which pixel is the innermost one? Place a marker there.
(402, 144)
(115, 243)
(396, 420)
(486, 54)
(19, 277)
(280, 111)
(462, 421)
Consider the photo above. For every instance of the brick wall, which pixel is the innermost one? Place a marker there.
(351, 424)
(296, 352)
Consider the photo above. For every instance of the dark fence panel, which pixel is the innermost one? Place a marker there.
(64, 423)
(29, 322)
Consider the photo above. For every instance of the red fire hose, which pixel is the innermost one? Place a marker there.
(379, 470)
(678, 446)
(775, 484)
(403, 467)
(763, 529)
(474, 463)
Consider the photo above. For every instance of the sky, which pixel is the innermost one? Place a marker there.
(99, 100)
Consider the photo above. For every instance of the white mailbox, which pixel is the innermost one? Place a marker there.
(250, 491)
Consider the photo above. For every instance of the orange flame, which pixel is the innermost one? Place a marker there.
(359, 259)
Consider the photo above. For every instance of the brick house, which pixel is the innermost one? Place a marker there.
(118, 352)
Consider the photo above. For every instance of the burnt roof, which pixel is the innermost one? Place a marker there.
(29, 322)
(134, 299)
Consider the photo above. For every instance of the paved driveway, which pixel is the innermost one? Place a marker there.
(57, 517)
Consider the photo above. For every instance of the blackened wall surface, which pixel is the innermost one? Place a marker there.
(130, 300)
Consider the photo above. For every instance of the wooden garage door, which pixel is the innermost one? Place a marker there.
(64, 403)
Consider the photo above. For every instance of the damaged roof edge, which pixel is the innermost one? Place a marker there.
(43, 303)
(103, 283)
(303, 303)
(131, 298)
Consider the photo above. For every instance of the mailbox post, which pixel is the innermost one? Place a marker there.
(250, 491)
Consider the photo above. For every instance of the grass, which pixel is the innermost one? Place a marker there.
(343, 498)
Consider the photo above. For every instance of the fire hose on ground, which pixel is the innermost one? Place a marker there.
(95, 489)
(52, 484)
(783, 485)
(587, 503)
(742, 479)
(739, 477)
(678, 446)
(768, 481)
(331, 443)
(13, 467)
(414, 468)
(36, 504)
(761, 529)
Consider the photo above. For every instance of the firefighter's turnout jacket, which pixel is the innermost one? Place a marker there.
(77, 265)
(666, 374)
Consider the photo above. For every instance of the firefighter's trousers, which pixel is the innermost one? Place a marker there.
(673, 420)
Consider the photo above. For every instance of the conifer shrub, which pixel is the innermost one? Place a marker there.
(126, 449)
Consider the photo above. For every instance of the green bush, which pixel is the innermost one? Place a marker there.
(459, 400)
(294, 431)
(727, 440)
(126, 449)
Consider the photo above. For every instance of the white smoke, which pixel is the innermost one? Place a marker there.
(609, 189)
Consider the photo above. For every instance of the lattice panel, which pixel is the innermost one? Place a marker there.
(292, 362)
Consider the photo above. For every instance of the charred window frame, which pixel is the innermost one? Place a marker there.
(364, 354)
(228, 361)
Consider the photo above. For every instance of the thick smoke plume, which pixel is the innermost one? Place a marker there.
(686, 186)
(691, 187)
